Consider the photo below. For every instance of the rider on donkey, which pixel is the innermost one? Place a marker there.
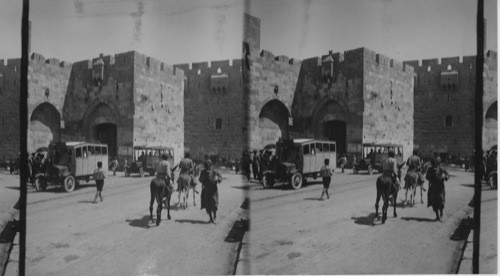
(187, 167)
(390, 169)
(415, 165)
(163, 170)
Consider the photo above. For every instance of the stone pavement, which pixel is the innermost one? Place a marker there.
(488, 237)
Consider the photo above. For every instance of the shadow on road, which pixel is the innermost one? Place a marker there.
(418, 219)
(463, 230)
(467, 185)
(13, 187)
(85, 201)
(368, 220)
(312, 198)
(246, 187)
(192, 221)
(143, 222)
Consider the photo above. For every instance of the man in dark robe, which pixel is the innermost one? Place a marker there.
(210, 192)
(436, 195)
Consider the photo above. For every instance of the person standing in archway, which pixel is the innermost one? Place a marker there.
(256, 165)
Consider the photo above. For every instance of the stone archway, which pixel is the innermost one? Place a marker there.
(490, 126)
(45, 126)
(273, 122)
(101, 126)
(491, 112)
(330, 123)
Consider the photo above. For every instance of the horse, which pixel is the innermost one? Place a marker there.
(386, 189)
(162, 192)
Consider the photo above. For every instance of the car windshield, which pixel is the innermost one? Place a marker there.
(289, 154)
(61, 156)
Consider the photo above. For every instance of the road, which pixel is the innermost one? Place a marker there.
(294, 233)
(9, 195)
(68, 235)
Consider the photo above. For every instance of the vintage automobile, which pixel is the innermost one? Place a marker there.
(373, 155)
(297, 159)
(70, 162)
(145, 159)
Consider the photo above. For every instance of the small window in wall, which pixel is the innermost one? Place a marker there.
(219, 71)
(429, 68)
(218, 123)
(78, 153)
(449, 67)
(199, 72)
(448, 121)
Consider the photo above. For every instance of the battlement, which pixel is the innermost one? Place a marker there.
(210, 67)
(439, 64)
(383, 60)
(40, 59)
(270, 57)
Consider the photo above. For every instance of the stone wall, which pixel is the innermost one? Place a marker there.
(270, 78)
(434, 100)
(490, 98)
(108, 98)
(10, 76)
(330, 87)
(214, 109)
(48, 81)
(159, 105)
(388, 102)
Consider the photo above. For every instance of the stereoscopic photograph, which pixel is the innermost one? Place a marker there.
(253, 137)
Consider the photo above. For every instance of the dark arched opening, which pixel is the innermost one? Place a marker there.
(45, 125)
(273, 122)
(330, 121)
(102, 127)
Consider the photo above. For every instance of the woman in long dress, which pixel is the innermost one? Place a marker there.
(436, 196)
(210, 193)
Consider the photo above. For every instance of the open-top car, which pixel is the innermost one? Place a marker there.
(295, 160)
(373, 155)
(145, 159)
(70, 162)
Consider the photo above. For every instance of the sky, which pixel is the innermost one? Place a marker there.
(195, 31)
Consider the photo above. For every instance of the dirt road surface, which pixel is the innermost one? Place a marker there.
(68, 235)
(294, 233)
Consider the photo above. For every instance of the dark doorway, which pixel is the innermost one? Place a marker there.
(336, 131)
(106, 134)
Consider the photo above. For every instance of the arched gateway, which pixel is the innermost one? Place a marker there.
(45, 125)
(101, 126)
(273, 122)
(330, 123)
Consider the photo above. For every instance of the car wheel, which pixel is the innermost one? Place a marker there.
(296, 181)
(141, 172)
(40, 184)
(493, 181)
(370, 169)
(265, 181)
(69, 183)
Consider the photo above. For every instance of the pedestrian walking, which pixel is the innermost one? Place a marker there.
(99, 181)
(436, 195)
(210, 192)
(114, 165)
(256, 165)
(326, 174)
(343, 162)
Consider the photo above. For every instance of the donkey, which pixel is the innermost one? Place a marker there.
(412, 182)
(387, 189)
(162, 192)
